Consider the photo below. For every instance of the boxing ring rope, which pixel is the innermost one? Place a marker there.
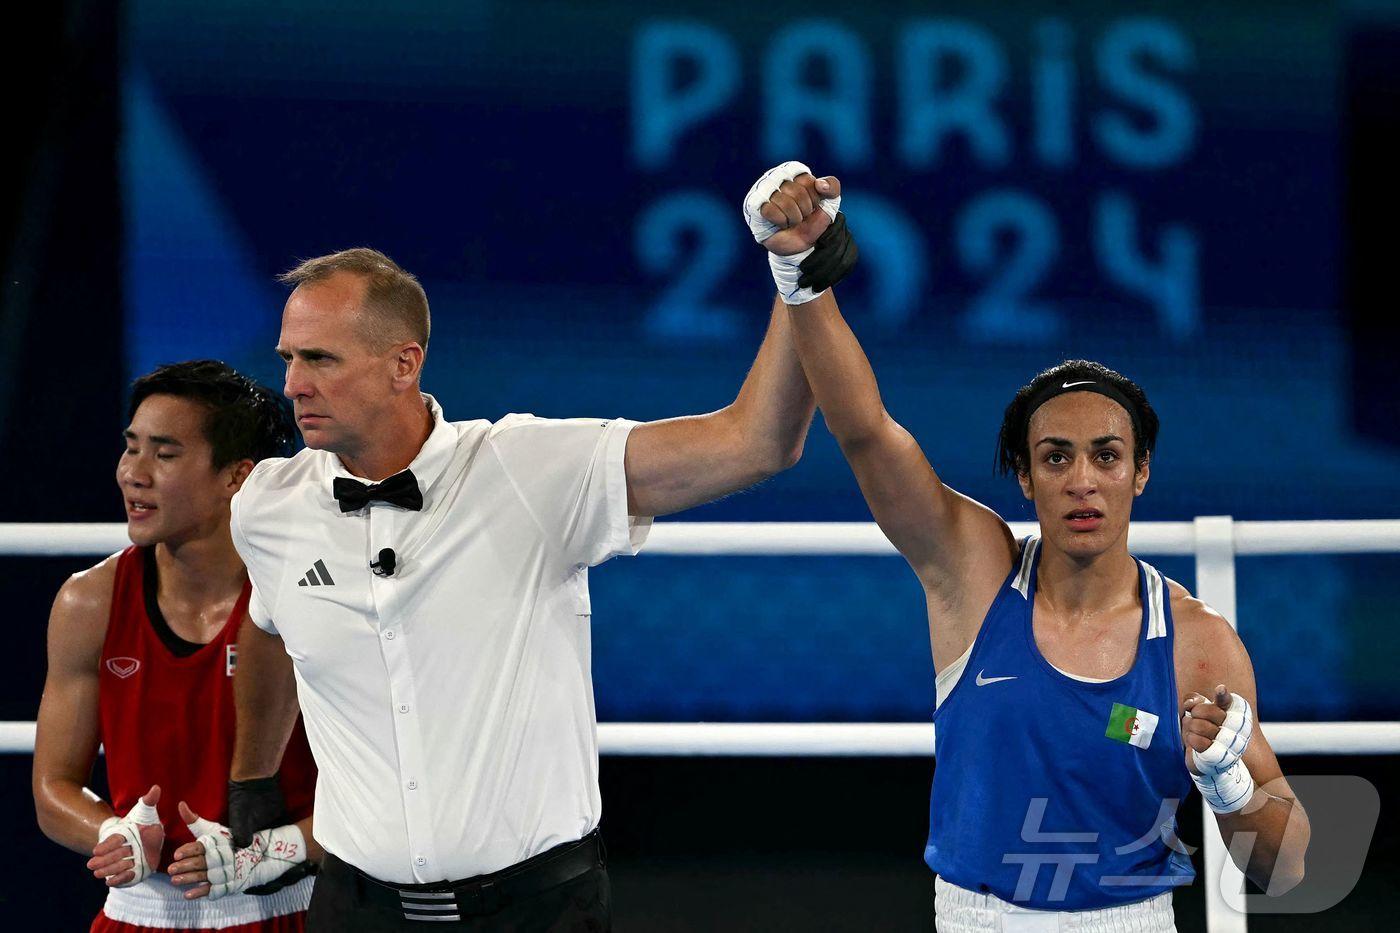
(861, 739)
(1214, 541)
(773, 539)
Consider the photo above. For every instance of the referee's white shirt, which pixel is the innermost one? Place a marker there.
(449, 706)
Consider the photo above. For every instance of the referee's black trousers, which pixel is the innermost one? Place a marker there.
(344, 902)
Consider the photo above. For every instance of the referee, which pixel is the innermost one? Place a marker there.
(421, 586)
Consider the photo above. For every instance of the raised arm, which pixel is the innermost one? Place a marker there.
(65, 745)
(683, 462)
(940, 532)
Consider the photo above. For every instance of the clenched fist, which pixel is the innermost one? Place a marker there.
(1216, 735)
(794, 209)
(796, 216)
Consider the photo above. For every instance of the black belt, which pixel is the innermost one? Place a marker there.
(485, 894)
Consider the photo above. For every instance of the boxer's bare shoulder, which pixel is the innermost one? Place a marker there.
(82, 608)
(67, 734)
(1208, 650)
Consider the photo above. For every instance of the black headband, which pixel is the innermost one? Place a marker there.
(1106, 389)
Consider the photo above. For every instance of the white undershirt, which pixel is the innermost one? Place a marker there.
(1081, 678)
(948, 678)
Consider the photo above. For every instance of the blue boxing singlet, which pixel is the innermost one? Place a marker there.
(1054, 793)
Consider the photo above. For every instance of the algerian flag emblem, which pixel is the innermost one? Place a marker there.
(1133, 726)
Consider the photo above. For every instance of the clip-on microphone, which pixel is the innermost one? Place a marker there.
(384, 567)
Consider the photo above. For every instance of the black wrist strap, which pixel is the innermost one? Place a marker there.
(254, 805)
(833, 257)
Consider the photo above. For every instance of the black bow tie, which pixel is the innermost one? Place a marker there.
(400, 489)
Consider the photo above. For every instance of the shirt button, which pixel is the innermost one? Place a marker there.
(389, 634)
(403, 707)
(421, 860)
(412, 785)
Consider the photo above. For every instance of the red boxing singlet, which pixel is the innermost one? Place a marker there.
(169, 720)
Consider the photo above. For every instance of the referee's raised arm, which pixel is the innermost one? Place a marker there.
(683, 462)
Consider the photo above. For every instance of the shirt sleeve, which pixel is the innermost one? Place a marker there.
(571, 476)
(258, 610)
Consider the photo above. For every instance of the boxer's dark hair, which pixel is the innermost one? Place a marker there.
(1013, 443)
(245, 420)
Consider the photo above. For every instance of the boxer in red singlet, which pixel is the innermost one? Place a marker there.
(141, 659)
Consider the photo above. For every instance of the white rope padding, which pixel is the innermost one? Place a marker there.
(864, 739)
(1155, 538)
(885, 739)
(829, 538)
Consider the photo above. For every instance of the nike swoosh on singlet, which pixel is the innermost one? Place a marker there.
(983, 681)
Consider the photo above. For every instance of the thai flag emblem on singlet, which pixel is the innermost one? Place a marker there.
(1132, 726)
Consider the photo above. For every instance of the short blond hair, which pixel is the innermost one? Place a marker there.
(395, 306)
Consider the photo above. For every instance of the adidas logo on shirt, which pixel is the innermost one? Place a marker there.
(318, 575)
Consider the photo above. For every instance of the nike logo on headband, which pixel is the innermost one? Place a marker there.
(1070, 385)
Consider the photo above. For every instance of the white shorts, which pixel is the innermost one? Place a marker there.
(958, 910)
(155, 902)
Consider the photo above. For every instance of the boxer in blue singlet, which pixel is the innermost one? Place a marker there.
(1079, 691)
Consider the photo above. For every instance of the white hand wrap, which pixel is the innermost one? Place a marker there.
(1225, 782)
(232, 871)
(129, 828)
(786, 269)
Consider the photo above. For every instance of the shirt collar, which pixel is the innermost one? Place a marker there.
(428, 466)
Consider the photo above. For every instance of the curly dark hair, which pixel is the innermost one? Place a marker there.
(1013, 443)
(246, 421)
